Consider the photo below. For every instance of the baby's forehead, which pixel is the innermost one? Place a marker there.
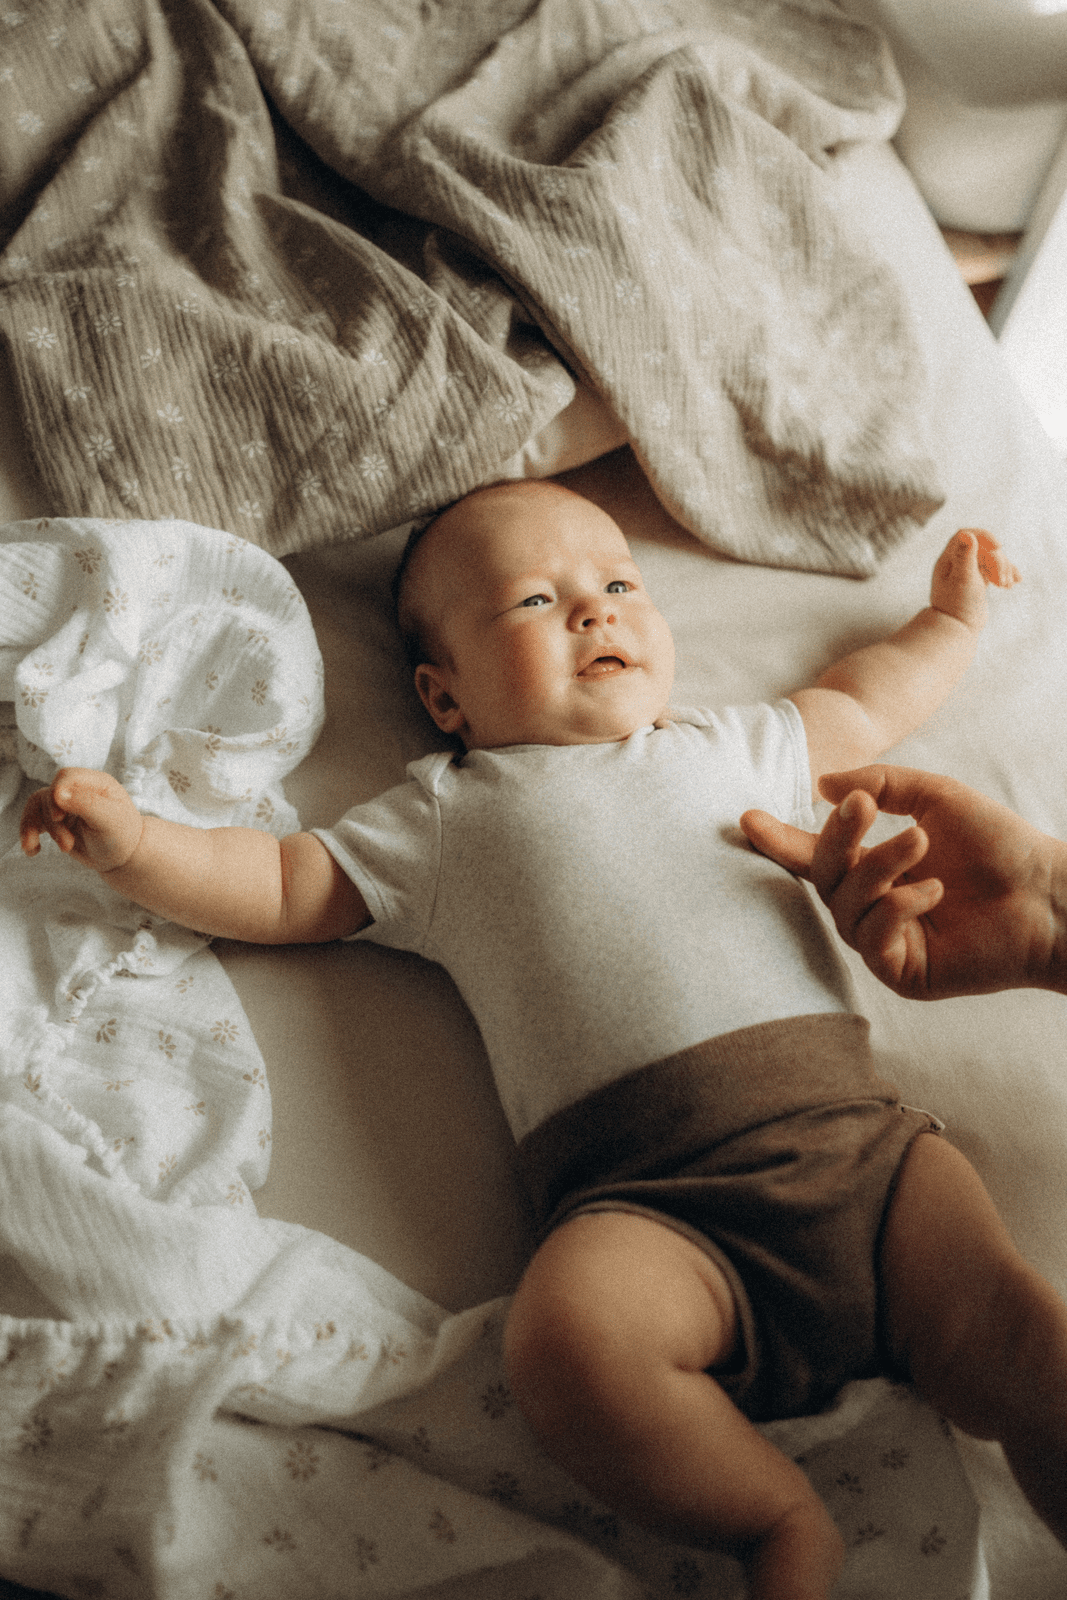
(537, 519)
(512, 527)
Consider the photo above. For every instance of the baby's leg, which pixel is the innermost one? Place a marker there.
(981, 1332)
(611, 1329)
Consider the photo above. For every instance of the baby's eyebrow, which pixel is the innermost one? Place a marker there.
(537, 577)
(502, 596)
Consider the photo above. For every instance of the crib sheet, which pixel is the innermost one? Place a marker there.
(387, 1138)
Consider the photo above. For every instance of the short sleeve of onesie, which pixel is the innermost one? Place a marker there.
(391, 849)
(765, 752)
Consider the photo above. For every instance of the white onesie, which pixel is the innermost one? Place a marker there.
(597, 905)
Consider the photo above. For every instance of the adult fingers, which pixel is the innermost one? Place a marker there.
(852, 896)
(838, 848)
(901, 791)
(791, 847)
(825, 857)
(893, 942)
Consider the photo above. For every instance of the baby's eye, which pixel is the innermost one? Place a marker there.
(618, 586)
(535, 600)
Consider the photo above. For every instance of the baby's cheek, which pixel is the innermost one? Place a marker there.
(525, 663)
(526, 680)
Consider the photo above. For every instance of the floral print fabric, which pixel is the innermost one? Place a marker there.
(183, 661)
(306, 271)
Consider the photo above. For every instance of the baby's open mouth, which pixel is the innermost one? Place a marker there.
(602, 666)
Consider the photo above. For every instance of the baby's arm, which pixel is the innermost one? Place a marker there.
(870, 699)
(232, 883)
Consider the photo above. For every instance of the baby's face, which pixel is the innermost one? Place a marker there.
(548, 633)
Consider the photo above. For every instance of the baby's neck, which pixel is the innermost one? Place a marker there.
(661, 721)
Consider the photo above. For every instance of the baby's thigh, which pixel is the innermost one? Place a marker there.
(608, 1297)
(963, 1306)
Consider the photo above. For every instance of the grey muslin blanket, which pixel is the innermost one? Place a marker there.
(307, 269)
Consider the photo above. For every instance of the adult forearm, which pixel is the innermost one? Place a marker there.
(901, 680)
(226, 882)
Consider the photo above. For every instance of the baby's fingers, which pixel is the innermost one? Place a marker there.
(993, 564)
(958, 587)
(33, 822)
(41, 814)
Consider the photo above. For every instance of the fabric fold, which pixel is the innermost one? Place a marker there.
(502, 200)
(182, 661)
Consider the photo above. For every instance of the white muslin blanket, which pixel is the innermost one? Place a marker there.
(230, 1406)
(183, 662)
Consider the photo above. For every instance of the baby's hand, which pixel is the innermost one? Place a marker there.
(88, 814)
(970, 560)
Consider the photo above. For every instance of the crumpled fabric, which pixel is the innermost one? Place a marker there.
(182, 661)
(307, 271)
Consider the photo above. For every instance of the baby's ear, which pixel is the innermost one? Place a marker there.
(432, 683)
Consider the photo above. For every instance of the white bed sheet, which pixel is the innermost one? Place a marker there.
(387, 1133)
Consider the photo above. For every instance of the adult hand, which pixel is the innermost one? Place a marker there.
(971, 900)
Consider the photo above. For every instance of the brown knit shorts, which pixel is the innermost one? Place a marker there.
(776, 1149)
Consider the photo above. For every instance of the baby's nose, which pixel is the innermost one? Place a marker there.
(597, 610)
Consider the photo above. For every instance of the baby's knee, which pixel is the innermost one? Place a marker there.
(973, 1320)
(801, 1555)
(582, 1326)
(610, 1303)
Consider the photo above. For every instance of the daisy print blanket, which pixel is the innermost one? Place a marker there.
(308, 270)
(182, 661)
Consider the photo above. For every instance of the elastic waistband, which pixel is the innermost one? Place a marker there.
(698, 1098)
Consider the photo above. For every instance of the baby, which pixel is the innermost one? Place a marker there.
(737, 1215)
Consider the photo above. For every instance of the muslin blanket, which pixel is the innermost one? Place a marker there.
(183, 662)
(231, 1407)
(305, 270)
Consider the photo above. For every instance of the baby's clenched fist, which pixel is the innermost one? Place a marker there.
(88, 814)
